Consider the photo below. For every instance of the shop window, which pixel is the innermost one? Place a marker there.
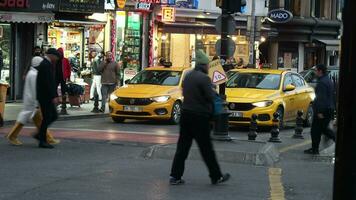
(293, 6)
(288, 55)
(5, 52)
(321, 8)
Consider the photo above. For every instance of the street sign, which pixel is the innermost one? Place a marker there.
(168, 14)
(217, 73)
(231, 24)
(121, 3)
(231, 47)
(279, 16)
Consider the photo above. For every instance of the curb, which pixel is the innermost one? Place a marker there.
(68, 117)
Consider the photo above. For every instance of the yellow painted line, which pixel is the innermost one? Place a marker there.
(275, 182)
(285, 149)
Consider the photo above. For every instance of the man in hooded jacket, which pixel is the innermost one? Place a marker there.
(197, 110)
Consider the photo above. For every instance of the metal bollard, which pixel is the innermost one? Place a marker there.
(275, 129)
(299, 126)
(96, 103)
(253, 128)
(64, 105)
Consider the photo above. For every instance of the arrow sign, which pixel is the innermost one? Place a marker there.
(218, 77)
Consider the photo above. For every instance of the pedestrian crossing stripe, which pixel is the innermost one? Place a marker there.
(218, 76)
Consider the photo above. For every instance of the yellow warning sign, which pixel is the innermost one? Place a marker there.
(217, 73)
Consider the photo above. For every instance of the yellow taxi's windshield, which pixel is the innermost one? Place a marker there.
(159, 77)
(255, 80)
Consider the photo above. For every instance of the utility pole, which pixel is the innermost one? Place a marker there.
(345, 155)
(252, 32)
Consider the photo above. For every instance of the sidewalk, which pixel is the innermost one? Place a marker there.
(84, 111)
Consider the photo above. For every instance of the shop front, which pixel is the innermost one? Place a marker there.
(79, 29)
(176, 41)
(129, 26)
(22, 27)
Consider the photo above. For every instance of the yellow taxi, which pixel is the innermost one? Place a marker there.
(264, 92)
(154, 93)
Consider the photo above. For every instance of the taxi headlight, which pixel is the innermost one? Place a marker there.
(160, 99)
(262, 104)
(113, 97)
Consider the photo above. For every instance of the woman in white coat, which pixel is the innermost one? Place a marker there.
(30, 103)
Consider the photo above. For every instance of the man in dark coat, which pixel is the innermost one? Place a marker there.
(323, 108)
(195, 122)
(47, 94)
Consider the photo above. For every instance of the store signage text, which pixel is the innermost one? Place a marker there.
(143, 6)
(279, 16)
(14, 4)
(168, 14)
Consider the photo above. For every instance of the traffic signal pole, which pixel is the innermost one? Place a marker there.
(221, 127)
(345, 155)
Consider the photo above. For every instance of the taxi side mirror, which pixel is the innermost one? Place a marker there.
(127, 81)
(289, 87)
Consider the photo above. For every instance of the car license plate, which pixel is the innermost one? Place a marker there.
(236, 114)
(132, 109)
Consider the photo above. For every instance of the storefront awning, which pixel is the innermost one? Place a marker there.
(330, 45)
(22, 17)
(83, 22)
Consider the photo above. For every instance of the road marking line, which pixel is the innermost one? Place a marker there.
(107, 131)
(275, 182)
(285, 149)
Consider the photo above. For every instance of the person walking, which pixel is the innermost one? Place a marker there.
(197, 110)
(323, 108)
(96, 84)
(47, 94)
(109, 70)
(30, 109)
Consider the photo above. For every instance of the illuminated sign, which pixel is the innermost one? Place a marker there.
(149, 1)
(168, 14)
(121, 3)
(143, 6)
(29, 5)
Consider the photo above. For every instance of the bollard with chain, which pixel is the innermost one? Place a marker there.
(299, 126)
(96, 103)
(253, 128)
(275, 129)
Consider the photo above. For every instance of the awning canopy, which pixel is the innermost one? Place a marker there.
(82, 22)
(330, 45)
(23, 17)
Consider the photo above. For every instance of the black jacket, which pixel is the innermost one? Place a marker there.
(197, 92)
(46, 87)
(324, 91)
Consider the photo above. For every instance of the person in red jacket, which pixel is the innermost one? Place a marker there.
(65, 66)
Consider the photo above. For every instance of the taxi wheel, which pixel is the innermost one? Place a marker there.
(176, 113)
(309, 117)
(280, 111)
(118, 119)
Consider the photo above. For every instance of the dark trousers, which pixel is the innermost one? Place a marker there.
(321, 126)
(106, 90)
(195, 127)
(49, 115)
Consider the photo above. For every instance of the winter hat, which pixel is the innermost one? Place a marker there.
(201, 58)
(36, 61)
(53, 51)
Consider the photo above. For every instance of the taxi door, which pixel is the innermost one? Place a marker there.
(302, 99)
(288, 98)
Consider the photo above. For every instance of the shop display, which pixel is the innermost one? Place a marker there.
(5, 52)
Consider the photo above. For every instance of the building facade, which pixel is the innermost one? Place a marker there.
(309, 38)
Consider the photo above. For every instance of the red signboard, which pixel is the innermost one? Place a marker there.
(149, 1)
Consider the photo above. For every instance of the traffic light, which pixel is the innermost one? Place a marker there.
(232, 6)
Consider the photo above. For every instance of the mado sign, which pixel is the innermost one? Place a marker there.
(279, 16)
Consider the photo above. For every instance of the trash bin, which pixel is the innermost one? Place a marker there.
(3, 92)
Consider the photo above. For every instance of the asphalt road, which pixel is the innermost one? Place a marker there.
(91, 170)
